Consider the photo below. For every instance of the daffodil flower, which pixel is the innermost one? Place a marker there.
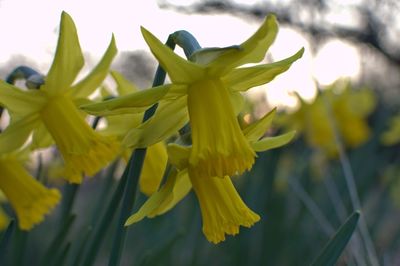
(203, 90)
(222, 209)
(348, 108)
(28, 197)
(51, 112)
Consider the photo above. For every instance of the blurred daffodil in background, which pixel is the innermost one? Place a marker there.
(338, 107)
(392, 135)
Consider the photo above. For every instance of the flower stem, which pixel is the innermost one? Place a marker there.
(133, 171)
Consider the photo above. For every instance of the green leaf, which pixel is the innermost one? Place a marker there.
(54, 247)
(5, 241)
(337, 244)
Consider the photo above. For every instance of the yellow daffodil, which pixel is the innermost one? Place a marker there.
(203, 90)
(222, 209)
(119, 125)
(28, 197)
(51, 112)
(347, 107)
(392, 135)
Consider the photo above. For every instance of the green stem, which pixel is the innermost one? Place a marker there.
(133, 171)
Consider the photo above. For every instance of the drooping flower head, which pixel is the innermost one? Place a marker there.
(218, 146)
(51, 112)
(207, 85)
(28, 197)
(222, 209)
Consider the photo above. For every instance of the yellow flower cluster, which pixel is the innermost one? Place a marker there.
(202, 94)
(337, 108)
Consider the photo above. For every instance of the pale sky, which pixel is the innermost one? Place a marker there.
(30, 28)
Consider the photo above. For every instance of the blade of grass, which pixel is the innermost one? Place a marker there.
(332, 251)
(5, 242)
(57, 241)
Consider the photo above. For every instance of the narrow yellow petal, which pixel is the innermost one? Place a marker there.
(269, 143)
(171, 115)
(178, 185)
(15, 99)
(91, 82)
(178, 69)
(178, 155)
(136, 102)
(68, 60)
(153, 169)
(253, 50)
(124, 86)
(41, 137)
(154, 201)
(257, 129)
(17, 133)
(181, 188)
(242, 79)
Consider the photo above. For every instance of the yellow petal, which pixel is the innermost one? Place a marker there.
(68, 60)
(171, 115)
(41, 137)
(153, 169)
(181, 188)
(257, 129)
(178, 155)
(155, 200)
(178, 69)
(16, 100)
(242, 79)
(91, 82)
(268, 143)
(124, 86)
(16, 134)
(253, 50)
(131, 103)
